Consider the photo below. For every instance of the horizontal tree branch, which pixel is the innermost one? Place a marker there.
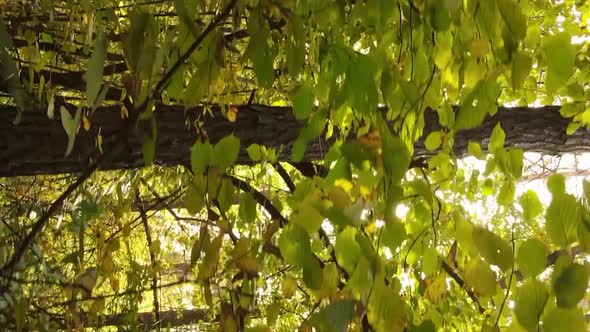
(37, 144)
(145, 320)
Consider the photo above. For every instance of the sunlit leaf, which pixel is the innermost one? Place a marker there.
(433, 141)
(531, 257)
(529, 303)
(254, 152)
(493, 248)
(560, 319)
(294, 245)
(70, 125)
(96, 65)
(570, 285)
(225, 152)
(562, 219)
(347, 249)
(560, 57)
(531, 205)
(334, 317)
(480, 277)
(303, 102)
(556, 184)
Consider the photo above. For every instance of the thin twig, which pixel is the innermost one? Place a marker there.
(153, 260)
(216, 21)
(461, 284)
(509, 283)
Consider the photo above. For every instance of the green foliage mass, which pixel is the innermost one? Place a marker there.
(362, 222)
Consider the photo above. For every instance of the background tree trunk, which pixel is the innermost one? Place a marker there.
(37, 144)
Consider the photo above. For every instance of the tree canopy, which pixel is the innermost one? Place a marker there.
(280, 165)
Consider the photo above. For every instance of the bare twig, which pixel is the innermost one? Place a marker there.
(153, 260)
(461, 284)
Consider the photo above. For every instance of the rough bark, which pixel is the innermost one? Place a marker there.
(146, 321)
(37, 144)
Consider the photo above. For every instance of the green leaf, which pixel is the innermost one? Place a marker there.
(259, 49)
(225, 152)
(272, 313)
(195, 199)
(299, 148)
(226, 196)
(295, 48)
(347, 249)
(480, 277)
(200, 155)
(433, 141)
(149, 150)
(71, 126)
(307, 216)
(513, 18)
(394, 233)
(430, 261)
(515, 158)
(209, 265)
(482, 100)
(247, 210)
(312, 273)
(385, 310)
(531, 205)
(303, 102)
(531, 257)
(134, 44)
(521, 68)
(493, 248)
(396, 157)
(288, 287)
(562, 219)
(497, 139)
(560, 319)
(335, 317)
(254, 152)
(474, 149)
(294, 245)
(560, 57)
(95, 69)
(200, 243)
(184, 15)
(556, 184)
(506, 194)
(446, 115)
(570, 285)
(315, 127)
(9, 74)
(529, 303)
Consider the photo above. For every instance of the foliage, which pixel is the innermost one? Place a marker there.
(367, 237)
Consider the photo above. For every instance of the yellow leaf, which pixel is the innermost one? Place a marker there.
(247, 264)
(232, 113)
(371, 140)
(436, 288)
(124, 112)
(86, 123)
(114, 284)
(99, 140)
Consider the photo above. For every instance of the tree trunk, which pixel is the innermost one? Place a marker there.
(37, 144)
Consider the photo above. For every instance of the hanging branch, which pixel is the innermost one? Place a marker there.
(285, 176)
(153, 260)
(260, 198)
(509, 283)
(449, 270)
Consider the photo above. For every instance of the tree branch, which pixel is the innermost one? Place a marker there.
(461, 284)
(153, 260)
